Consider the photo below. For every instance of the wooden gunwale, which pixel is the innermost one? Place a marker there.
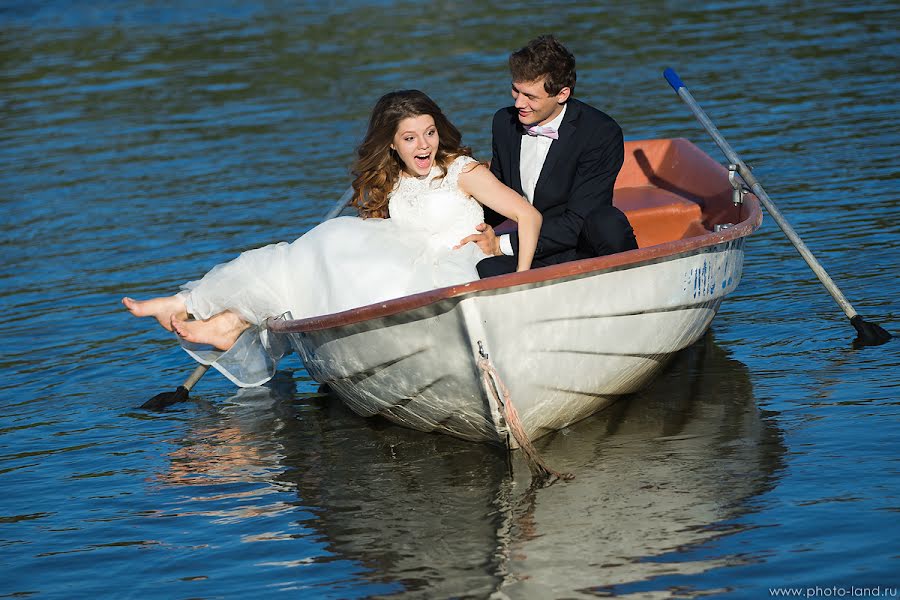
(542, 275)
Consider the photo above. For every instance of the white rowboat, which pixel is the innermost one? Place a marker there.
(567, 340)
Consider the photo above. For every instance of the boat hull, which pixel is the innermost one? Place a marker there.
(565, 348)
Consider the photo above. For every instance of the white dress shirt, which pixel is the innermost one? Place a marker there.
(531, 162)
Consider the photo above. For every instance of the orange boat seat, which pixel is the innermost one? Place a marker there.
(659, 216)
(656, 215)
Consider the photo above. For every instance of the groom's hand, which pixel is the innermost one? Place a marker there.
(487, 240)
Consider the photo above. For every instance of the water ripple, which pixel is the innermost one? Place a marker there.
(143, 143)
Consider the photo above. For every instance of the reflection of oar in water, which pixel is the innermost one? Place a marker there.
(869, 334)
(164, 399)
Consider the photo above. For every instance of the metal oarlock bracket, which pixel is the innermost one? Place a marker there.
(739, 189)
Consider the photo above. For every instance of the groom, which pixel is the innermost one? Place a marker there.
(563, 156)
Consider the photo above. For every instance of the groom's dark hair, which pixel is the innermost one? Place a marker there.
(544, 56)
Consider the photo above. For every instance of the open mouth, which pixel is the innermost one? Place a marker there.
(423, 161)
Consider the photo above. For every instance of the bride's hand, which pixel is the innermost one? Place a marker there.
(487, 240)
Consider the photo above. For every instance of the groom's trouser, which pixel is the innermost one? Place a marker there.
(605, 231)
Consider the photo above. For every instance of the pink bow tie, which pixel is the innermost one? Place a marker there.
(536, 130)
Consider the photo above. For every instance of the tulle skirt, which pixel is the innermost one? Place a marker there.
(339, 265)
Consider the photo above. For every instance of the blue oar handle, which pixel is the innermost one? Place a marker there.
(673, 79)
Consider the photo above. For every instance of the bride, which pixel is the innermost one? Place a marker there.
(418, 191)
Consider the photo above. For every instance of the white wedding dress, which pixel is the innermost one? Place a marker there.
(341, 264)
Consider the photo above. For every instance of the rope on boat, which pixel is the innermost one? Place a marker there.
(500, 393)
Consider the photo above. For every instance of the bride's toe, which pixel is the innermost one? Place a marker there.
(132, 305)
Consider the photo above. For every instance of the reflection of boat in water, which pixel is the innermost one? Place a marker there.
(665, 471)
(432, 516)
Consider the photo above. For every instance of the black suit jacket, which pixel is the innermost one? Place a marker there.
(577, 177)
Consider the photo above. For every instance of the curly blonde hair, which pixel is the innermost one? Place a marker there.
(377, 167)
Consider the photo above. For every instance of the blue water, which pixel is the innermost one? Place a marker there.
(141, 143)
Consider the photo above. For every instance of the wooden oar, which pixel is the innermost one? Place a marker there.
(869, 334)
(164, 399)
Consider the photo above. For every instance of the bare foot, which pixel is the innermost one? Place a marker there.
(163, 309)
(220, 331)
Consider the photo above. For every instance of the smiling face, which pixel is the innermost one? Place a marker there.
(416, 143)
(535, 105)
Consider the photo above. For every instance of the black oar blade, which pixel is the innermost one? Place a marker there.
(869, 334)
(160, 401)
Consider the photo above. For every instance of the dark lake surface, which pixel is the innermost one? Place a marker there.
(142, 143)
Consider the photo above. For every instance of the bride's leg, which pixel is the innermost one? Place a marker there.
(220, 331)
(163, 309)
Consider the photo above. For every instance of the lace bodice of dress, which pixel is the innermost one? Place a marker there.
(436, 205)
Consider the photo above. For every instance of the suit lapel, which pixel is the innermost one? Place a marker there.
(559, 147)
(515, 145)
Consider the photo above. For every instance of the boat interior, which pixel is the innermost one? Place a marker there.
(671, 190)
